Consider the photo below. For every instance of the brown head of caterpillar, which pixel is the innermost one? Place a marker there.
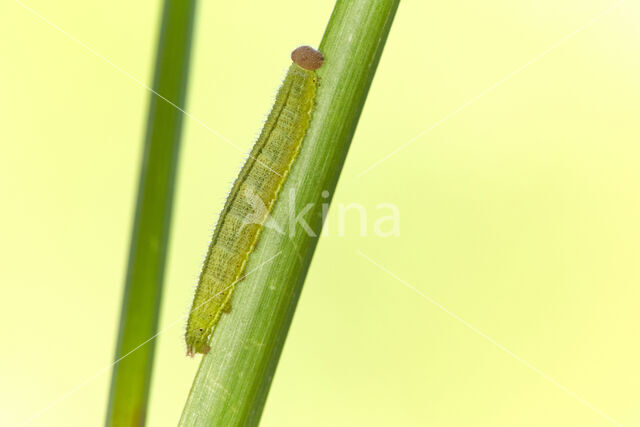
(307, 57)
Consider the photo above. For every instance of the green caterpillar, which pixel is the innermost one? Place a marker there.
(261, 178)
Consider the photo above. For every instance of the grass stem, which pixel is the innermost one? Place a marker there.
(131, 376)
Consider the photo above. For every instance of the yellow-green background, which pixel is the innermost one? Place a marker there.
(520, 214)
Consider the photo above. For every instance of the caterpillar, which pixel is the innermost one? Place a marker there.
(252, 197)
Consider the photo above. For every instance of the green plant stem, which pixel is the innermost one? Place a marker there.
(143, 288)
(233, 380)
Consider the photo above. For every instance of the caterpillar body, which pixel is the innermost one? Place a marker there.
(261, 178)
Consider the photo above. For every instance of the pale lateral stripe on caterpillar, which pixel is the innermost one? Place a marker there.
(262, 176)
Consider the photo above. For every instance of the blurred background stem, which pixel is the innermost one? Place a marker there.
(131, 377)
(233, 380)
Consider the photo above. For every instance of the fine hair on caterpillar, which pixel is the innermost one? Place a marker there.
(260, 179)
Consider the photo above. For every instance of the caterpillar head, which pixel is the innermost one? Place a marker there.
(307, 57)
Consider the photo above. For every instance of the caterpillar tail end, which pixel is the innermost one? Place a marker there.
(192, 350)
(197, 342)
